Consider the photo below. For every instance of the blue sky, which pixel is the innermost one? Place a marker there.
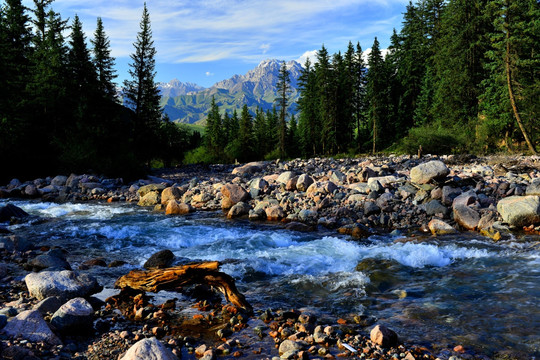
(205, 41)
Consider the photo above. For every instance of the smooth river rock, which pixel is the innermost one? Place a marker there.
(424, 173)
(148, 349)
(63, 284)
(75, 316)
(30, 325)
(520, 210)
(466, 217)
(383, 336)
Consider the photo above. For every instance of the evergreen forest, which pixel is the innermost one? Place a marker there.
(460, 76)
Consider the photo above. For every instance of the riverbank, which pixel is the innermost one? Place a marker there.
(346, 205)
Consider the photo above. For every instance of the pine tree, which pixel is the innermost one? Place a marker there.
(377, 94)
(326, 103)
(309, 118)
(283, 88)
(260, 133)
(141, 92)
(214, 131)
(245, 135)
(293, 138)
(103, 62)
(82, 73)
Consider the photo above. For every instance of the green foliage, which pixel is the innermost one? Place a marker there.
(434, 140)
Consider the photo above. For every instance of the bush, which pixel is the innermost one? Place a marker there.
(434, 140)
(199, 156)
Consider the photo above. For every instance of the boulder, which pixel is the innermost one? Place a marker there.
(257, 187)
(234, 193)
(383, 336)
(31, 326)
(435, 207)
(64, 284)
(73, 181)
(288, 346)
(59, 180)
(249, 168)
(11, 211)
(533, 188)
(48, 305)
(321, 187)
(520, 210)
(291, 184)
(298, 226)
(361, 187)
(177, 208)
(148, 349)
(466, 217)
(170, 193)
(439, 227)
(31, 191)
(284, 177)
(431, 170)
(143, 190)
(307, 215)
(337, 176)
(151, 198)
(238, 209)
(274, 213)
(303, 182)
(74, 317)
(449, 194)
(49, 261)
(370, 208)
(161, 259)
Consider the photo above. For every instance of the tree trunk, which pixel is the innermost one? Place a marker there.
(179, 276)
(511, 94)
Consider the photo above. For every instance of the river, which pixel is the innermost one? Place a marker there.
(439, 292)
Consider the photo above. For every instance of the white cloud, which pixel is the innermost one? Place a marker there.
(310, 54)
(367, 52)
(208, 73)
(264, 48)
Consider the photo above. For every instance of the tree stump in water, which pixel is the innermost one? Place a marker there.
(174, 277)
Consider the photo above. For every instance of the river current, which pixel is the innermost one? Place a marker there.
(441, 292)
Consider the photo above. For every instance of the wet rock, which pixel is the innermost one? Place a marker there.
(533, 188)
(370, 208)
(383, 336)
(520, 210)
(144, 190)
(30, 325)
(74, 317)
(3, 269)
(257, 214)
(48, 305)
(426, 172)
(303, 182)
(238, 209)
(170, 193)
(233, 194)
(31, 191)
(466, 217)
(177, 208)
(465, 199)
(439, 227)
(308, 216)
(148, 349)
(298, 226)
(435, 207)
(64, 284)
(319, 336)
(51, 261)
(17, 353)
(149, 199)
(3, 321)
(161, 259)
(11, 211)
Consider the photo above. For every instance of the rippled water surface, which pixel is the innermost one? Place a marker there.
(440, 292)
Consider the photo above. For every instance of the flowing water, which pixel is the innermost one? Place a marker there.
(440, 292)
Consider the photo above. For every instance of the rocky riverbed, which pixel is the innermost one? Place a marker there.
(44, 303)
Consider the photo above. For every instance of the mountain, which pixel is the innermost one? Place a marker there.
(256, 88)
(175, 88)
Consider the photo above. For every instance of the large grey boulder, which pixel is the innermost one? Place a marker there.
(238, 209)
(424, 173)
(64, 284)
(59, 180)
(520, 210)
(30, 325)
(9, 211)
(533, 188)
(284, 177)
(75, 316)
(148, 349)
(248, 168)
(303, 182)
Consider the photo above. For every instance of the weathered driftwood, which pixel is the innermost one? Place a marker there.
(179, 276)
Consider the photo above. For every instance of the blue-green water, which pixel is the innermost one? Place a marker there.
(461, 290)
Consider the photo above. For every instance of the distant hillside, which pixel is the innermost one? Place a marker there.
(256, 88)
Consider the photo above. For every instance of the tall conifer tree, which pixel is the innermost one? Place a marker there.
(103, 61)
(283, 88)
